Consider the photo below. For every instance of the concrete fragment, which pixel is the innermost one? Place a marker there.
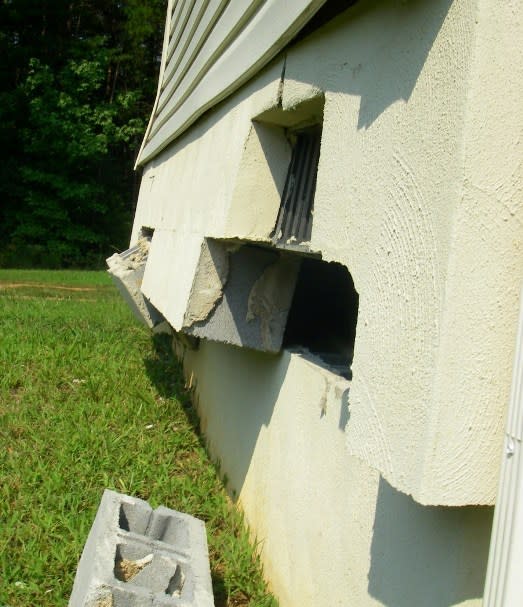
(209, 280)
(127, 270)
(135, 556)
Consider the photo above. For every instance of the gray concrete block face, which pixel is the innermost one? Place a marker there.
(135, 556)
(254, 301)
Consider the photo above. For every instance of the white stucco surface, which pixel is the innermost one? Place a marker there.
(331, 531)
(353, 492)
(418, 201)
(418, 194)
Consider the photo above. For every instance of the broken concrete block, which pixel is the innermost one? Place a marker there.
(135, 556)
(242, 295)
(127, 270)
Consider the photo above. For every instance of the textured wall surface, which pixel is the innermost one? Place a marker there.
(419, 196)
(332, 530)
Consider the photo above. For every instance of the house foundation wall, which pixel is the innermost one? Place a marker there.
(377, 491)
(330, 529)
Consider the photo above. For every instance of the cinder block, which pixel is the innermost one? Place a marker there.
(127, 270)
(256, 285)
(135, 556)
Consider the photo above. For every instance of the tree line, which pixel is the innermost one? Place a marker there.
(77, 83)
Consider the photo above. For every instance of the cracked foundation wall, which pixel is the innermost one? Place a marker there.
(396, 203)
(241, 295)
(419, 196)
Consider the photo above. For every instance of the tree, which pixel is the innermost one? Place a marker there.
(75, 95)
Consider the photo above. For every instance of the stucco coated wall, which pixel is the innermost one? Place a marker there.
(420, 203)
(419, 195)
(331, 530)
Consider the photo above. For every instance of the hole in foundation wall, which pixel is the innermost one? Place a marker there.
(323, 314)
(291, 142)
(278, 298)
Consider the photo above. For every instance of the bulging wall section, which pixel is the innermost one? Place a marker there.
(418, 194)
(352, 488)
(485, 268)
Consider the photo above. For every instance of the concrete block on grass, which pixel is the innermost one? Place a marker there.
(135, 556)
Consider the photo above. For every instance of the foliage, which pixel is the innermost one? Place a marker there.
(88, 400)
(75, 94)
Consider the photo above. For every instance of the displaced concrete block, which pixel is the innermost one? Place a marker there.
(250, 297)
(127, 270)
(135, 556)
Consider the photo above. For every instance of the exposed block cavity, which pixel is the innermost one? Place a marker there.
(135, 556)
(134, 516)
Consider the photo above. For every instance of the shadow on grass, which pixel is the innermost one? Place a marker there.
(219, 590)
(166, 374)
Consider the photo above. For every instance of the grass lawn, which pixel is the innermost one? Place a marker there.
(88, 400)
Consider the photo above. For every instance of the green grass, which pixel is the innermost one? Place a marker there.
(89, 400)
